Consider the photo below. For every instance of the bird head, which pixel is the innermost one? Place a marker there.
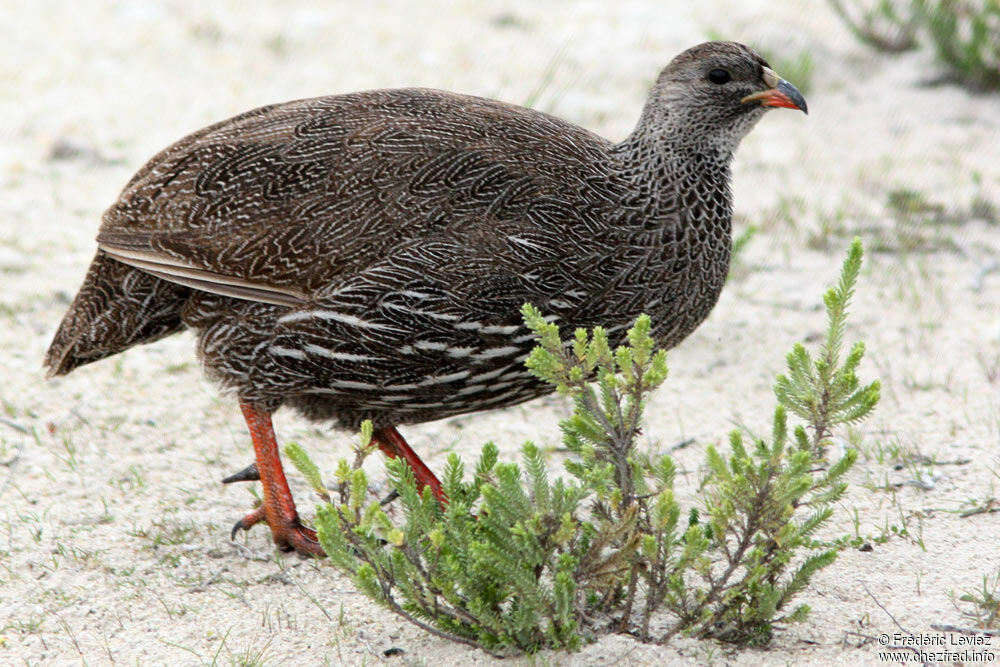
(717, 91)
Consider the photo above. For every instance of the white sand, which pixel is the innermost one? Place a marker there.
(114, 542)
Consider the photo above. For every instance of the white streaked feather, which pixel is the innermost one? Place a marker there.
(504, 396)
(500, 329)
(407, 386)
(489, 375)
(442, 379)
(420, 311)
(352, 384)
(430, 345)
(334, 316)
(492, 352)
(287, 352)
(332, 354)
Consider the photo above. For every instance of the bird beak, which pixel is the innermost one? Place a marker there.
(780, 94)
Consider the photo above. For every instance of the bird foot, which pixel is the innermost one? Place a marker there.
(288, 536)
(278, 508)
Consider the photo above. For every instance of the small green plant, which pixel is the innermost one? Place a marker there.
(825, 392)
(983, 606)
(982, 207)
(966, 37)
(517, 561)
(887, 25)
(914, 205)
(965, 34)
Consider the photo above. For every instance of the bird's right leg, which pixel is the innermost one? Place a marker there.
(393, 445)
(389, 440)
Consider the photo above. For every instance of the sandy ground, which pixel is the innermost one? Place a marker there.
(114, 529)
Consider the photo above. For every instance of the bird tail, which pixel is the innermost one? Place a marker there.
(117, 307)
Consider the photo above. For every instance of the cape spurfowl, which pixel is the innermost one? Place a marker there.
(365, 256)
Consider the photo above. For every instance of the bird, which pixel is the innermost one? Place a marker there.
(365, 256)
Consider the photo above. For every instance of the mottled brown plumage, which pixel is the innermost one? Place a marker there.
(365, 256)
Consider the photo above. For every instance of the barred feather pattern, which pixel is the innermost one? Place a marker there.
(365, 256)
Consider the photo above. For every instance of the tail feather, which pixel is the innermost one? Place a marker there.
(117, 307)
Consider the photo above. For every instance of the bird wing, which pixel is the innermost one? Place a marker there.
(177, 271)
(280, 202)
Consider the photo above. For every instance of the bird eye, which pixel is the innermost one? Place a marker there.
(719, 76)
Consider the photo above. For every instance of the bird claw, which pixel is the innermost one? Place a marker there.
(288, 537)
(248, 522)
(236, 528)
(248, 474)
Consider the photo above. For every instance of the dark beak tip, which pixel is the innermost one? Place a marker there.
(793, 94)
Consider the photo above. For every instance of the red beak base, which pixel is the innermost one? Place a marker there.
(783, 95)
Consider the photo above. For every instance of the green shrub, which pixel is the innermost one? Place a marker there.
(517, 561)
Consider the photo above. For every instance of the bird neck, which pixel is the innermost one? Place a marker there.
(677, 217)
(676, 176)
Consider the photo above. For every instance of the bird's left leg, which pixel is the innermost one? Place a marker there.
(278, 509)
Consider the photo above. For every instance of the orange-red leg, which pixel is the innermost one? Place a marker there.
(278, 509)
(392, 445)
